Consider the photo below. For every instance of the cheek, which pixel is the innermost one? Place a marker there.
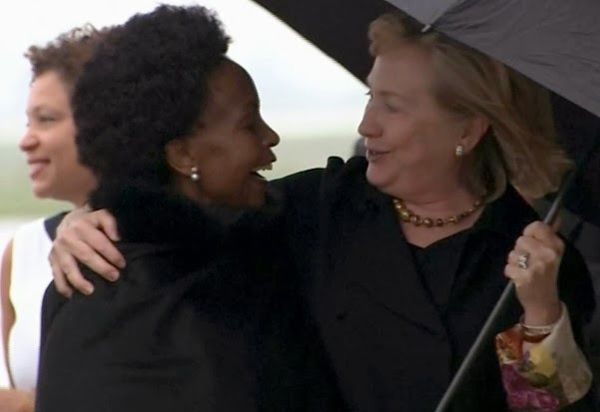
(224, 172)
(423, 144)
(64, 149)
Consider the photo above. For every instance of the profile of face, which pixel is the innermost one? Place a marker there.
(410, 138)
(233, 143)
(49, 143)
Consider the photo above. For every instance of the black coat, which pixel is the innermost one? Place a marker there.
(391, 349)
(200, 320)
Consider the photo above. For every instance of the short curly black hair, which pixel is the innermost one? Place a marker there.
(145, 86)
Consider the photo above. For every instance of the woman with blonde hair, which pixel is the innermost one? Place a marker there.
(405, 252)
(55, 172)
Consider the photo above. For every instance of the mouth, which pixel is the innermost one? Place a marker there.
(36, 166)
(373, 155)
(262, 168)
(268, 166)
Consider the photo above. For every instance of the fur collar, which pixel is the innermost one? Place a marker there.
(157, 216)
(162, 217)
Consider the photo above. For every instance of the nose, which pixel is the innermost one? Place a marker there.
(29, 141)
(270, 136)
(369, 127)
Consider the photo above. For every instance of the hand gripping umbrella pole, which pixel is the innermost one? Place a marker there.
(488, 331)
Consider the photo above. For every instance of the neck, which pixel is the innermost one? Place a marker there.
(223, 213)
(441, 203)
(79, 201)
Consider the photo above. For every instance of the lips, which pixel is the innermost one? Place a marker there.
(36, 166)
(266, 166)
(373, 155)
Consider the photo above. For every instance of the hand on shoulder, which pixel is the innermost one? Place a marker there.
(85, 236)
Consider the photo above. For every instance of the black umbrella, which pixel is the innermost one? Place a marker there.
(553, 42)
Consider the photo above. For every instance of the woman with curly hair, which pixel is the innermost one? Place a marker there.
(55, 172)
(200, 321)
(403, 253)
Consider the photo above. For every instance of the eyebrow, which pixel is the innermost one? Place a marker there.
(389, 93)
(406, 99)
(37, 109)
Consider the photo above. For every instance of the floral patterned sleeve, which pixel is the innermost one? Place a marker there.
(543, 376)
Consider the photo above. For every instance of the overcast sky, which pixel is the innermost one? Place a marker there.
(303, 92)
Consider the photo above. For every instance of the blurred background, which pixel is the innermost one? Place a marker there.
(312, 102)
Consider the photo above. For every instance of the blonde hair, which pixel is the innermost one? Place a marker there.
(520, 146)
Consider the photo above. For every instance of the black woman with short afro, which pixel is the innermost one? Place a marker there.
(148, 85)
(202, 318)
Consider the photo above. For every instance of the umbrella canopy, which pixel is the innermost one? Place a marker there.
(337, 27)
(553, 42)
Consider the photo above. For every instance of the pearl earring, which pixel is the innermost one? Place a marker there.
(460, 150)
(194, 174)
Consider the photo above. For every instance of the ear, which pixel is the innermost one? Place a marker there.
(475, 128)
(179, 156)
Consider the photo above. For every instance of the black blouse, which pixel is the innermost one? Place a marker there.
(437, 265)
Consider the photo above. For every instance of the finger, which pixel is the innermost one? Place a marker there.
(545, 234)
(538, 250)
(531, 245)
(107, 223)
(82, 252)
(68, 266)
(514, 257)
(519, 276)
(60, 282)
(97, 249)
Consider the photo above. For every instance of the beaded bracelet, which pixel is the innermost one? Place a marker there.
(535, 334)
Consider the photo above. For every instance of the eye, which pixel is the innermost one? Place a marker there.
(390, 107)
(46, 119)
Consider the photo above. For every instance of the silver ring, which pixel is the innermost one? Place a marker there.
(523, 261)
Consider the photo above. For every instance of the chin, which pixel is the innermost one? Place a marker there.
(41, 192)
(255, 202)
(375, 177)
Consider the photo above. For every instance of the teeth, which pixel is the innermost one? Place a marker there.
(264, 168)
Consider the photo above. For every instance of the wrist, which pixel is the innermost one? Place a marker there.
(542, 315)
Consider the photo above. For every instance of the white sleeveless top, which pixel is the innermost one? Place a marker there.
(30, 276)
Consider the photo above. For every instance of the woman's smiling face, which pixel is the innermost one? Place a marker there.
(410, 139)
(233, 142)
(49, 143)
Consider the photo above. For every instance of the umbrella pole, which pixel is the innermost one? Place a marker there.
(488, 331)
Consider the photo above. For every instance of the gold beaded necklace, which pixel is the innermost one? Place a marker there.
(409, 216)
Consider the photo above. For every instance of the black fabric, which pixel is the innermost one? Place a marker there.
(437, 265)
(390, 347)
(51, 224)
(202, 319)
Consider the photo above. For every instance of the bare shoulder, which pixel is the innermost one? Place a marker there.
(6, 308)
(6, 270)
